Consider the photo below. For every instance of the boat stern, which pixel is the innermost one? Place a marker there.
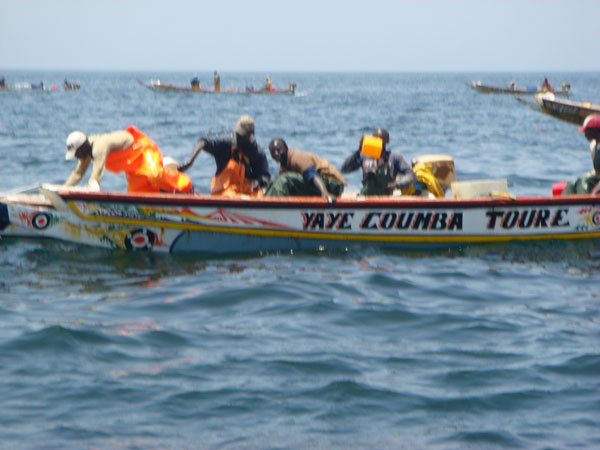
(4, 221)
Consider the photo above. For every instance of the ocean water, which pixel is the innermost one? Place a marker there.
(491, 346)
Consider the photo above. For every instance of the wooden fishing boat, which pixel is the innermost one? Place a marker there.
(216, 225)
(516, 90)
(568, 110)
(160, 86)
(24, 87)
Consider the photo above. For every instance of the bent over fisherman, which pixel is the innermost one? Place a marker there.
(303, 173)
(129, 151)
(242, 167)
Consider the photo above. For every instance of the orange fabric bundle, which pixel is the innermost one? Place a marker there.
(143, 167)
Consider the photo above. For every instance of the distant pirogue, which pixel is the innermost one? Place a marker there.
(516, 90)
(159, 86)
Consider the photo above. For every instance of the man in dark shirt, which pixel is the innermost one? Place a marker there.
(242, 166)
(381, 176)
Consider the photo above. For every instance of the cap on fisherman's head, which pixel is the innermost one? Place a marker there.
(591, 121)
(75, 140)
(244, 126)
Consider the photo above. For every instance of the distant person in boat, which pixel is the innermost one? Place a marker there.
(382, 175)
(546, 86)
(268, 85)
(2, 83)
(303, 173)
(70, 86)
(195, 84)
(590, 182)
(217, 82)
(242, 166)
(512, 85)
(129, 151)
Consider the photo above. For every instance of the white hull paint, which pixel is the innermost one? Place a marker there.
(216, 225)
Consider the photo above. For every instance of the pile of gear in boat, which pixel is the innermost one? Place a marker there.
(242, 168)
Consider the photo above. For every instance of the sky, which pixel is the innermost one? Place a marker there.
(304, 35)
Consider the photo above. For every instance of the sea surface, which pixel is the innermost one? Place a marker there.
(482, 347)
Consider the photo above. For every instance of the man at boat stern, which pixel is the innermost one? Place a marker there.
(383, 174)
(303, 173)
(242, 167)
(590, 182)
(129, 151)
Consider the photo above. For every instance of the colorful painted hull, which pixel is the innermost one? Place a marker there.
(487, 89)
(157, 85)
(217, 225)
(574, 112)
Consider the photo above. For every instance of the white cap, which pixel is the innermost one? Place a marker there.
(75, 140)
(169, 162)
(244, 126)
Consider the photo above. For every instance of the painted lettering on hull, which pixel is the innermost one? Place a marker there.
(423, 221)
(377, 220)
(528, 218)
(326, 221)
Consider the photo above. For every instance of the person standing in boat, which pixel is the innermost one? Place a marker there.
(303, 173)
(590, 182)
(129, 151)
(546, 86)
(217, 82)
(380, 176)
(268, 85)
(242, 166)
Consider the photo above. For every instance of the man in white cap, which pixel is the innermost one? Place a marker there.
(590, 182)
(95, 147)
(242, 166)
(129, 151)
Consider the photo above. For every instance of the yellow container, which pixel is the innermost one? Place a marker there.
(442, 167)
(372, 146)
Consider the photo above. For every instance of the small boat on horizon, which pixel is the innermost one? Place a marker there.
(517, 90)
(160, 86)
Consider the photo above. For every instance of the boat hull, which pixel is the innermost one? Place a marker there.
(214, 225)
(488, 89)
(570, 111)
(158, 86)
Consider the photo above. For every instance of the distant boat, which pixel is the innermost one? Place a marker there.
(23, 86)
(568, 110)
(160, 86)
(516, 90)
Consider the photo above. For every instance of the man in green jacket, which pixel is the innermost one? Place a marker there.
(303, 173)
